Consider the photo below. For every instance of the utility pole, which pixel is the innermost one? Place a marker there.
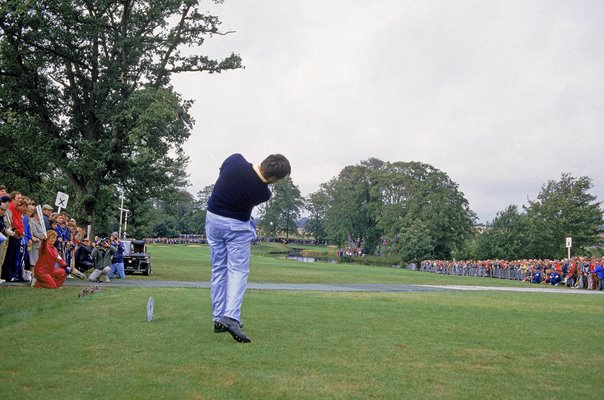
(128, 213)
(121, 212)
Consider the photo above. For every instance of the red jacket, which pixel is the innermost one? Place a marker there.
(48, 256)
(17, 218)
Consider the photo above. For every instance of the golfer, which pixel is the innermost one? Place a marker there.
(240, 187)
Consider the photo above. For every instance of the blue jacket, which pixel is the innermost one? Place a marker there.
(238, 190)
(26, 229)
(119, 256)
(536, 277)
(63, 234)
(599, 270)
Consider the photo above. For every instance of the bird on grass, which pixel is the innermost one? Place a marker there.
(89, 290)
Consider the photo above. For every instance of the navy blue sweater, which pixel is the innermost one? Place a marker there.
(238, 190)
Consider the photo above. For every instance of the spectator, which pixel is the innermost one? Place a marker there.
(37, 233)
(553, 278)
(585, 273)
(45, 273)
(599, 273)
(101, 255)
(117, 262)
(70, 228)
(80, 234)
(5, 230)
(15, 196)
(571, 276)
(47, 211)
(3, 239)
(83, 256)
(12, 268)
(62, 243)
(26, 242)
(590, 275)
(536, 276)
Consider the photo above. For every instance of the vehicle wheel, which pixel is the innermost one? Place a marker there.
(147, 272)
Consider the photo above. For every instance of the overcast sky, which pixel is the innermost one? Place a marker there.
(500, 95)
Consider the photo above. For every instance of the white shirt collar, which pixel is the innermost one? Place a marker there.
(257, 169)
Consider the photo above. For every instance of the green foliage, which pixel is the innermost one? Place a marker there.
(85, 97)
(506, 237)
(415, 208)
(178, 213)
(563, 209)
(166, 227)
(413, 242)
(282, 211)
(424, 213)
(349, 216)
(316, 205)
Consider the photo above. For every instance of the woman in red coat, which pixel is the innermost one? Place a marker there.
(47, 276)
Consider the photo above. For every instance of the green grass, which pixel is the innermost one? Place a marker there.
(306, 345)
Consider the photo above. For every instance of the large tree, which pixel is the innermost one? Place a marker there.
(563, 208)
(86, 85)
(316, 204)
(349, 216)
(423, 214)
(505, 236)
(417, 209)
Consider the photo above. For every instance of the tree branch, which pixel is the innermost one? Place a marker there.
(172, 47)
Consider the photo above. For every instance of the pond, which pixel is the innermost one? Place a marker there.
(310, 257)
(306, 259)
(306, 256)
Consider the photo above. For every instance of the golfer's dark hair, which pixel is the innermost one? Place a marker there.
(276, 166)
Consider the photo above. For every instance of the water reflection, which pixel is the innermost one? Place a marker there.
(298, 257)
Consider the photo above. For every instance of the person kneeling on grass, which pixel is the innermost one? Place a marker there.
(536, 277)
(101, 255)
(45, 273)
(555, 278)
(83, 256)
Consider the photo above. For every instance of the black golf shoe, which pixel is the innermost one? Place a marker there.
(232, 326)
(218, 328)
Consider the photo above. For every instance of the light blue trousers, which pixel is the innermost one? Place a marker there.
(119, 269)
(230, 246)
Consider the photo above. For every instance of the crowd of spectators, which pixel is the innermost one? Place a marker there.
(182, 239)
(576, 272)
(305, 242)
(46, 249)
(351, 252)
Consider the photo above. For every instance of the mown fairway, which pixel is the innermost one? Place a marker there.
(306, 345)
